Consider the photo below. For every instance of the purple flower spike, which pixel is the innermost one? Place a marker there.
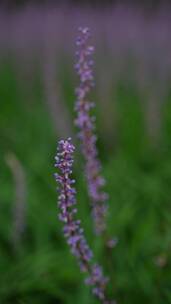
(85, 122)
(72, 230)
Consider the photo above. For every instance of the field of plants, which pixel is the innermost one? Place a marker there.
(132, 97)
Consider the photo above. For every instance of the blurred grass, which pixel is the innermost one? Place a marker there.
(138, 177)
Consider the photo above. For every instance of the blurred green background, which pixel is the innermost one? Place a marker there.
(133, 109)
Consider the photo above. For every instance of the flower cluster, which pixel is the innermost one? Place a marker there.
(72, 227)
(85, 122)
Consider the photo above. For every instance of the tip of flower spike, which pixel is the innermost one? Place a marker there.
(84, 30)
(62, 141)
(65, 146)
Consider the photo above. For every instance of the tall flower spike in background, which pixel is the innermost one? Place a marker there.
(85, 122)
(20, 202)
(72, 227)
